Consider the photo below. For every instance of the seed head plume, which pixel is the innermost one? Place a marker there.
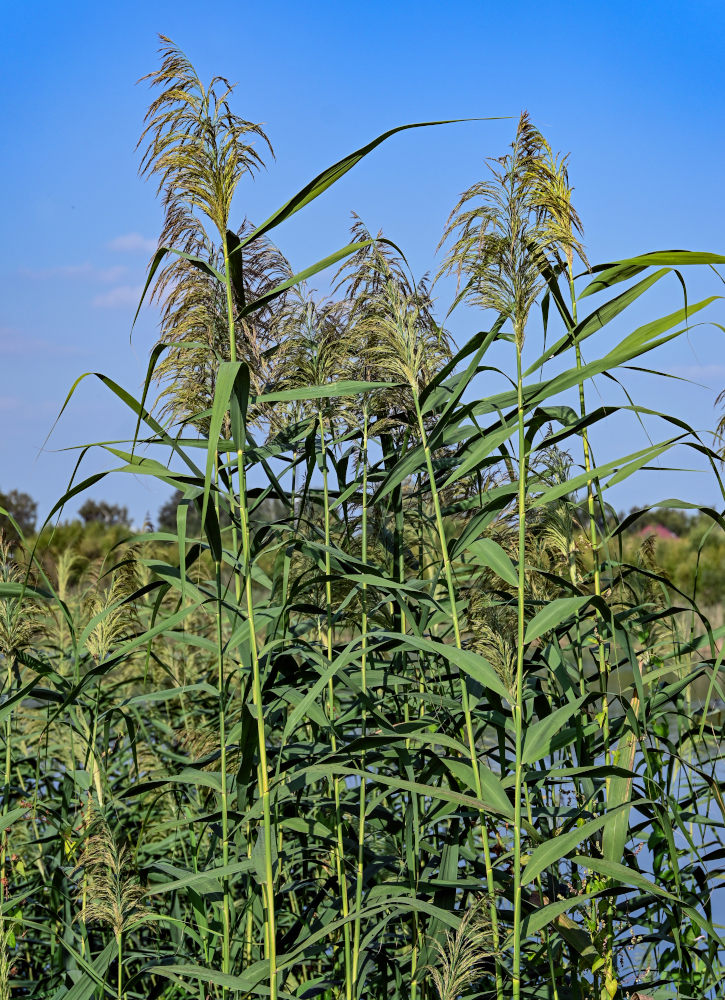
(505, 232)
(462, 956)
(199, 149)
(203, 747)
(67, 567)
(196, 146)
(364, 276)
(492, 629)
(650, 591)
(112, 893)
(552, 199)
(314, 350)
(113, 608)
(393, 334)
(401, 339)
(194, 325)
(18, 614)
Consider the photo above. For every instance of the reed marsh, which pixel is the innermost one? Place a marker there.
(394, 711)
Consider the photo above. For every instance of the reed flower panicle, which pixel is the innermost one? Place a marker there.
(19, 617)
(113, 607)
(506, 231)
(462, 956)
(112, 893)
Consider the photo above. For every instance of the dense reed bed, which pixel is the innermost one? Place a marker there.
(391, 715)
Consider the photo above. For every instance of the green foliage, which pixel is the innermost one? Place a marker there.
(103, 512)
(693, 560)
(90, 542)
(18, 507)
(388, 707)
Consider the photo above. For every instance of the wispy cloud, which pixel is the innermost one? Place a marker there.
(9, 404)
(104, 275)
(26, 409)
(16, 344)
(59, 271)
(132, 243)
(703, 373)
(115, 298)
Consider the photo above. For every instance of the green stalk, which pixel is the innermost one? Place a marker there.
(546, 932)
(287, 558)
(363, 725)
(6, 786)
(119, 959)
(270, 928)
(226, 916)
(490, 884)
(592, 520)
(340, 852)
(401, 626)
(518, 698)
(603, 668)
(249, 928)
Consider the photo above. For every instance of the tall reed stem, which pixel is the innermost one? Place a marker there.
(603, 668)
(7, 779)
(490, 884)
(364, 685)
(226, 915)
(590, 510)
(340, 848)
(119, 960)
(270, 922)
(518, 703)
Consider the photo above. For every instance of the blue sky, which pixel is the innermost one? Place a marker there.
(634, 90)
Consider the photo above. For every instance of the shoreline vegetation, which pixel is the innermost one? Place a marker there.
(420, 717)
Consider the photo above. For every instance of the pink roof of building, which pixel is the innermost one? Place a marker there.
(659, 530)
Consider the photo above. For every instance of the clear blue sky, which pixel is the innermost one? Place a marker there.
(634, 90)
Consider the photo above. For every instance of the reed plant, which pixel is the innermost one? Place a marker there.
(403, 716)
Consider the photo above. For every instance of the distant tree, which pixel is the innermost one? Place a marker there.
(22, 508)
(108, 514)
(167, 515)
